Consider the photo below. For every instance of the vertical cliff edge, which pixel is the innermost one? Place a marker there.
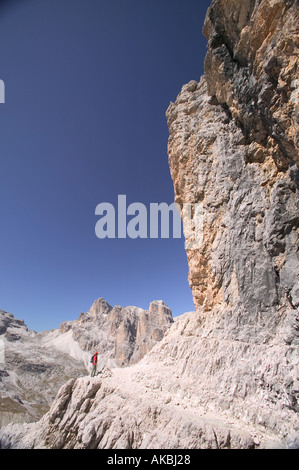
(233, 148)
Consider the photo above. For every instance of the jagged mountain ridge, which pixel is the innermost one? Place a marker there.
(121, 335)
(37, 364)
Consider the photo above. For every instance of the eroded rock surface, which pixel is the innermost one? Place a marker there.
(233, 148)
(180, 395)
(36, 365)
(30, 374)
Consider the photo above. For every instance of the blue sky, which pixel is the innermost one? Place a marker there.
(87, 85)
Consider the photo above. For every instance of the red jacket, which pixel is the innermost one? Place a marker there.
(94, 359)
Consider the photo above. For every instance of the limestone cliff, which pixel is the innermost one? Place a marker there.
(233, 148)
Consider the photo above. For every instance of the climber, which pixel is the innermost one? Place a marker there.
(94, 362)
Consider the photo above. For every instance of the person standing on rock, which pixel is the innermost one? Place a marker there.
(94, 363)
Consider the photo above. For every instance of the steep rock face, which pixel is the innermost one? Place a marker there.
(121, 335)
(233, 149)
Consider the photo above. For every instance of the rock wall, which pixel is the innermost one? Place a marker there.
(233, 148)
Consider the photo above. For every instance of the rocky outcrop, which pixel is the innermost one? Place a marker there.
(8, 323)
(180, 395)
(233, 148)
(121, 335)
(36, 365)
(30, 374)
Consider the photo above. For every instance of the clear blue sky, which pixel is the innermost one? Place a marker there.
(87, 85)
